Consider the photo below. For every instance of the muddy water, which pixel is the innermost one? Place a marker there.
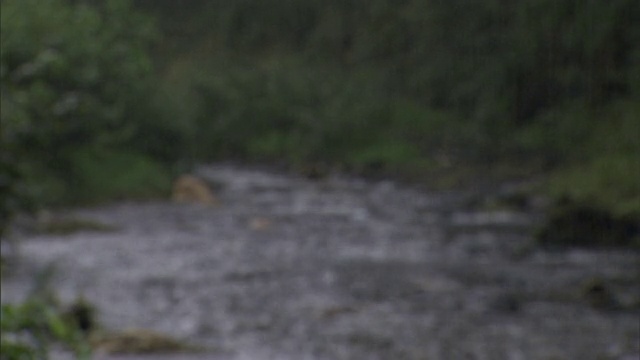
(340, 268)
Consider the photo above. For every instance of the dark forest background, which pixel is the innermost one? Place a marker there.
(104, 100)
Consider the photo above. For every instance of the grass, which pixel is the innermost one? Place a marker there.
(100, 176)
(610, 182)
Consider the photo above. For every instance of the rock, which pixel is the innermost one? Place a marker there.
(259, 223)
(572, 223)
(191, 189)
(81, 314)
(599, 295)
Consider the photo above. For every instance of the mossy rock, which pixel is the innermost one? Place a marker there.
(580, 224)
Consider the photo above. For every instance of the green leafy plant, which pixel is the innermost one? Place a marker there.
(71, 73)
(31, 328)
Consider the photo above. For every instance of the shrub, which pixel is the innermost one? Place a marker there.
(30, 329)
(70, 73)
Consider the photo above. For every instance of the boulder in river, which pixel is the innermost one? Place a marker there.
(191, 189)
(571, 223)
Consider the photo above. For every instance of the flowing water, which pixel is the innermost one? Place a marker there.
(340, 268)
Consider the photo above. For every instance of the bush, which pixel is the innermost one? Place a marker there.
(70, 72)
(294, 111)
(30, 329)
(604, 169)
(71, 76)
(534, 68)
(33, 327)
(114, 175)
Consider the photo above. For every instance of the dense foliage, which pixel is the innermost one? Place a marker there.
(32, 328)
(40, 324)
(71, 76)
(72, 79)
(413, 85)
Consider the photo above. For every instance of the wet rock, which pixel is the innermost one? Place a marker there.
(599, 295)
(82, 315)
(507, 303)
(191, 189)
(573, 223)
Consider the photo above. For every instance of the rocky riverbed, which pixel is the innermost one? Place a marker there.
(288, 268)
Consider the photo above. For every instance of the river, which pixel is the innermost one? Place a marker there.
(290, 268)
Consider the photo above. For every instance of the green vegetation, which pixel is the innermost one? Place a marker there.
(94, 108)
(72, 78)
(40, 324)
(573, 223)
(431, 89)
(31, 329)
(442, 92)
